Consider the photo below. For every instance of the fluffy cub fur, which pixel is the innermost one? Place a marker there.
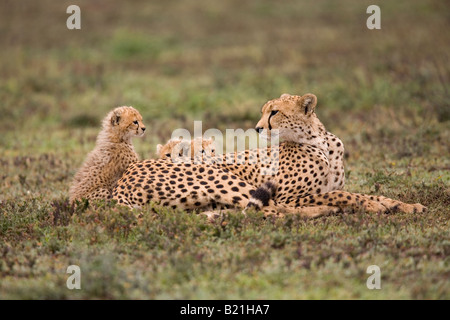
(112, 154)
(180, 148)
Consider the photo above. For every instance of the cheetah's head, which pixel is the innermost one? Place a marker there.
(123, 123)
(292, 118)
(179, 148)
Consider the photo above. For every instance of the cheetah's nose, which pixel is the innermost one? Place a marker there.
(259, 129)
(143, 129)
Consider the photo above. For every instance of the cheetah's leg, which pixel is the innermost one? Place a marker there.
(355, 201)
(308, 212)
(261, 199)
(340, 199)
(395, 205)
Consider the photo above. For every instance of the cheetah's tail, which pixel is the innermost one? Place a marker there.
(262, 195)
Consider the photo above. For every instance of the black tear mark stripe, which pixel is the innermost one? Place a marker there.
(271, 115)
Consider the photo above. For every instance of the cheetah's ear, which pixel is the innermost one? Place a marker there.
(115, 118)
(308, 103)
(158, 148)
(285, 95)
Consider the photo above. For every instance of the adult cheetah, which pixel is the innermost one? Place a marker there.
(308, 167)
(112, 154)
(316, 157)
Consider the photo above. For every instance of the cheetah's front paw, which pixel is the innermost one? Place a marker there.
(395, 205)
(418, 208)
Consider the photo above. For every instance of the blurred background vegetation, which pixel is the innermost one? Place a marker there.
(385, 93)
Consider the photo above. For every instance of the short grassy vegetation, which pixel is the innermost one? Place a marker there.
(385, 93)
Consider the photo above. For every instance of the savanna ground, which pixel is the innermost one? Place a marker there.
(385, 93)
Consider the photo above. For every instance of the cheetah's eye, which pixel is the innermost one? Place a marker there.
(274, 112)
(135, 122)
(167, 154)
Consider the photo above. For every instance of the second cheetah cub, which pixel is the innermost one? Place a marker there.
(176, 148)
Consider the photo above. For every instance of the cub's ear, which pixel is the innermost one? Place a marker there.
(308, 103)
(285, 95)
(115, 118)
(158, 148)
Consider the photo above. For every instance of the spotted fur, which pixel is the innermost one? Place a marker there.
(307, 169)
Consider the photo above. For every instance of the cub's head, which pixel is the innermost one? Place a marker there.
(123, 123)
(179, 148)
(292, 118)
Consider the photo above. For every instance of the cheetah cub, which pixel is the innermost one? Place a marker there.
(176, 148)
(112, 154)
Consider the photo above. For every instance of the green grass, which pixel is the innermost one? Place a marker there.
(385, 93)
